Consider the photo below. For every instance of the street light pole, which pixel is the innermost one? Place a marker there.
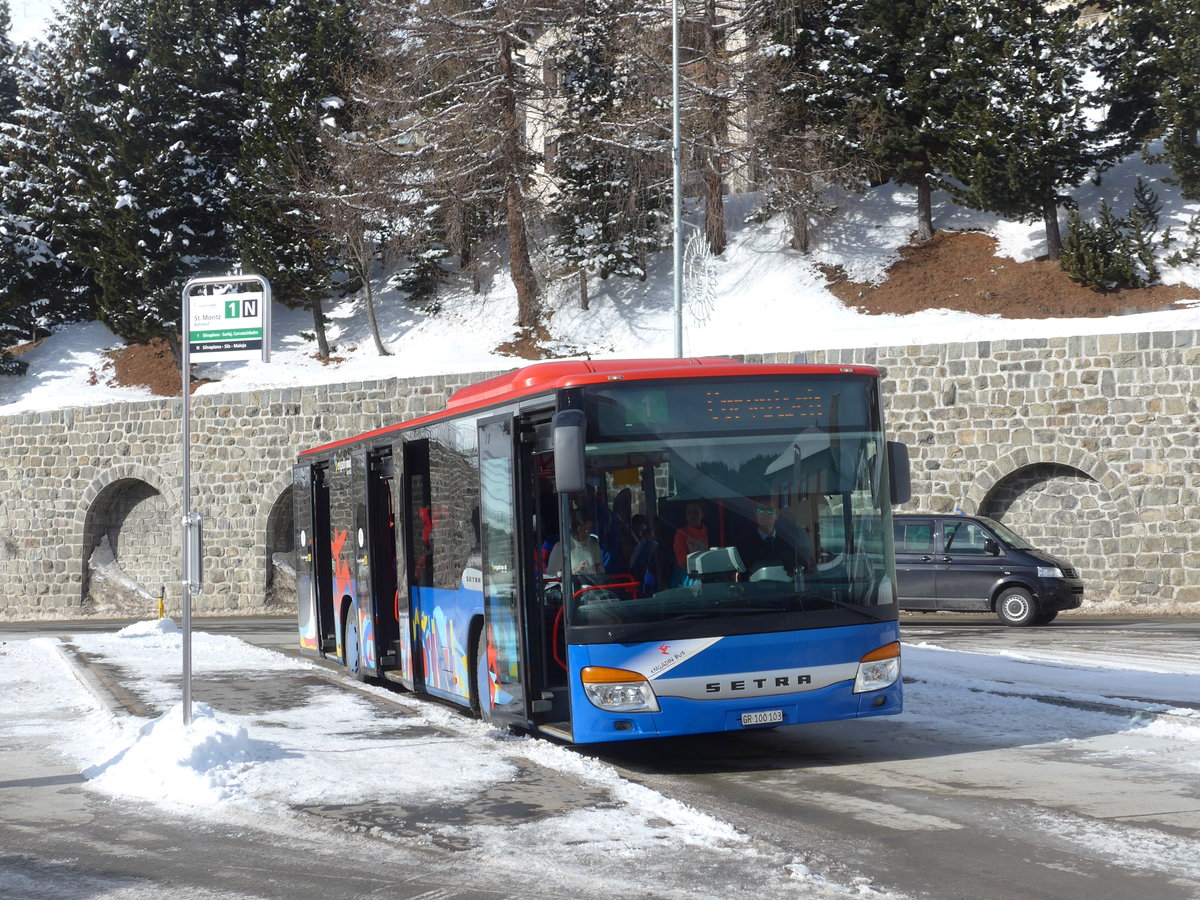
(677, 203)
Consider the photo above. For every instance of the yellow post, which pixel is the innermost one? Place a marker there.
(162, 610)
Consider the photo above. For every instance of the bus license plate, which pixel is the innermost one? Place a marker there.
(762, 718)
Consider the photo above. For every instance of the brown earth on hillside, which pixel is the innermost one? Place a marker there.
(960, 271)
(146, 365)
(953, 271)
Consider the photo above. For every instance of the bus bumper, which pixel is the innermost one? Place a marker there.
(678, 717)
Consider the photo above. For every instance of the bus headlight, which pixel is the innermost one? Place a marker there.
(1049, 572)
(878, 669)
(618, 690)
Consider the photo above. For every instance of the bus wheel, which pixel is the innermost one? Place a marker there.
(354, 666)
(481, 693)
(1015, 607)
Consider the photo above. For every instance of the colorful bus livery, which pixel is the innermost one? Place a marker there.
(601, 551)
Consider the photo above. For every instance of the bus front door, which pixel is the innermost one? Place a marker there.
(501, 671)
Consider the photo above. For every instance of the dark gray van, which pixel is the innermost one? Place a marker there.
(974, 564)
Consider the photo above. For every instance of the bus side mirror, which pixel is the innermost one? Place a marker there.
(899, 472)
(570, 429)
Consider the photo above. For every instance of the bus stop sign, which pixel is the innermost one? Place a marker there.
(223, 318)
(226, 324)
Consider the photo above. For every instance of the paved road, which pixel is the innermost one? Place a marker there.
(933, 811)
(940, 814)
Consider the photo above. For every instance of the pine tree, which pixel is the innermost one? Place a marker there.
(12, 224)
(1149, 57)
(1100, 255)
(297, 52)
(605, 167)
(153, 161)
(1021, 135)
(797, 151)
(886, 87)
(8, 75)
(139, 113)
(37, 290)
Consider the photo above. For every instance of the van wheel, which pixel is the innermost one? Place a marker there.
(1015, 607)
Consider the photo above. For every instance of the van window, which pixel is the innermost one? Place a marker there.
(913, 537)
(965, 538)
(1013, 540)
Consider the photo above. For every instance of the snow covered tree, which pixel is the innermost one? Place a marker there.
(1021, 135)
(154, 139)
(37, 289)
(1148, 53)
(127, 103)
(12, 224)
(298, 51)
(606, 163)
(148, 116)
(8, 76)
(885, 87)
(798, 149)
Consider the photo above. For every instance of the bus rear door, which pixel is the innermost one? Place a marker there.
(306, 595)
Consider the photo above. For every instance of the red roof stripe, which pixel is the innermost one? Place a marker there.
(545, 377)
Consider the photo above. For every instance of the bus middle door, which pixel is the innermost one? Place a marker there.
(501, 665)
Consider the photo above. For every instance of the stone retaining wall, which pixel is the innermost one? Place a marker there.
(1086, 445)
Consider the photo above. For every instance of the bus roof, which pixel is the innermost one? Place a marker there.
(550, 376)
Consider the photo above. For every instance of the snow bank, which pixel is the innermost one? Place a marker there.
(193, 765)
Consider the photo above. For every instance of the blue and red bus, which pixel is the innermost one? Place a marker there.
(619, 549)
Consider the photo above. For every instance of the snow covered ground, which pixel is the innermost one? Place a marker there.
(633, 319)
(328, 744)
(30, 19)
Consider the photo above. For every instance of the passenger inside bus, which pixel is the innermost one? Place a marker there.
(585, 549)
(692, 536)
(644, 564)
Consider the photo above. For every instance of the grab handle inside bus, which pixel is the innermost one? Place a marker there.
(899, 472)
(570, 427)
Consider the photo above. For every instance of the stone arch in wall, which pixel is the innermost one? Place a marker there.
(130, 541)
(1070, 504)
(279, 541)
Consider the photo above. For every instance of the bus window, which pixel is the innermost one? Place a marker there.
(719, 491)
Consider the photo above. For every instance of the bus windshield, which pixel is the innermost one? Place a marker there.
(728, 532)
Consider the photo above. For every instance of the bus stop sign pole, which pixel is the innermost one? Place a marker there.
(223, 323)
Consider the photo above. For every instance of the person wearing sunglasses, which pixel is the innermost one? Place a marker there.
(770, 543)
